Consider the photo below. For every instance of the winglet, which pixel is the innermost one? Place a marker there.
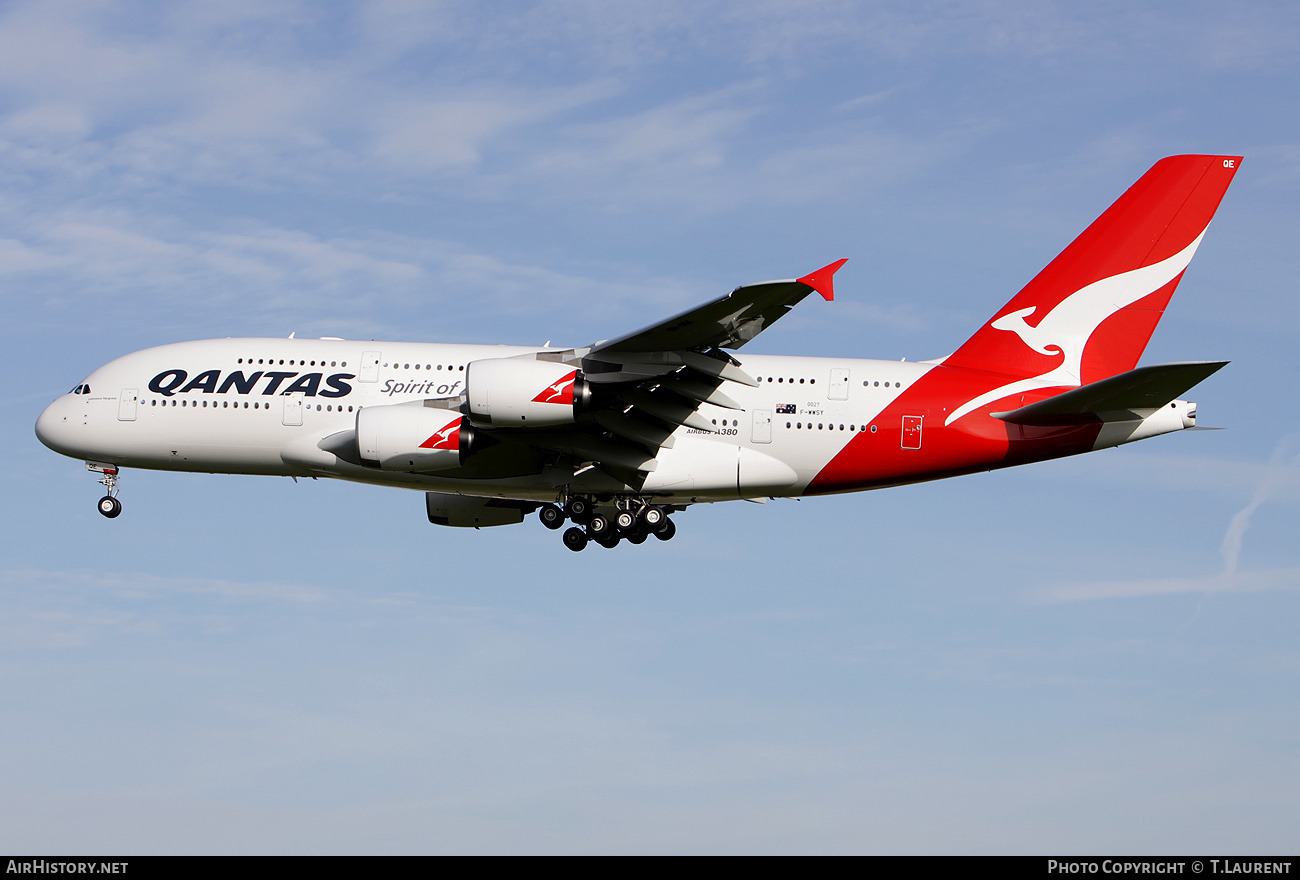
(823, 280)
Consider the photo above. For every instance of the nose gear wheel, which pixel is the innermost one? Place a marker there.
(108, 506)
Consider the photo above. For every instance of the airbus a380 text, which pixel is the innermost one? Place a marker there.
(616, 436)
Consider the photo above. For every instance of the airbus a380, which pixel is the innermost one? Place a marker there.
(615, 436)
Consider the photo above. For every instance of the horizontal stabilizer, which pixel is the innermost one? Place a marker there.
(1116, 397)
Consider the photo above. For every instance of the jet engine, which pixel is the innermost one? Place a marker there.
(412, 437)
(524, 393)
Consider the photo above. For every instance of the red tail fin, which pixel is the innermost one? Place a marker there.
(1090, 313)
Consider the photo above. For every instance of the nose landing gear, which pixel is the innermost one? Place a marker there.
(108, 506)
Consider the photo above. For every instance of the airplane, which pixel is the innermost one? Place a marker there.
(617, 436)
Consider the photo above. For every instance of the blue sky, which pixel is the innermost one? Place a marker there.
(1093, 655)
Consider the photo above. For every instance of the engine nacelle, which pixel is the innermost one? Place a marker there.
(524, 393)
(412, 437)
(468, 512)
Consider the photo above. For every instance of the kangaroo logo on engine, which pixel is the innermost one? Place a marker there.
(559, 392)
(447, 438)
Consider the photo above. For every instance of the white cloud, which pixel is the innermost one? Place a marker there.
(679, 139)
(15, 256)
(70, 609)
(373, 284)
(1275, 579)
(196, 96)
(140, 586)
(1268, 483)
(1141, 472)
(724, 149)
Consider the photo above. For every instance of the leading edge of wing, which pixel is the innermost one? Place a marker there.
(728, 321)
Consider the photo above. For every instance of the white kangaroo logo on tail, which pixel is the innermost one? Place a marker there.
(1068, 327)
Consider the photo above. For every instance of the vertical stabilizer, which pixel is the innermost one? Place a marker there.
(1090, 313)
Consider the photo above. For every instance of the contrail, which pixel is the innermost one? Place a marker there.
(1282, 466)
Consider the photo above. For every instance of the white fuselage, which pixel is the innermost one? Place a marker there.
(264, 406)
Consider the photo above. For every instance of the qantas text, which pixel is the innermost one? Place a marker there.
(170, 382)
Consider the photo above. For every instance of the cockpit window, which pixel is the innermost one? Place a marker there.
(80, 389)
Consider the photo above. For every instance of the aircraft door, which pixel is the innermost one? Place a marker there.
(292, 409)
(839, 384)
(369, 371)
(126, 404)
(762, 426)
(912, 432)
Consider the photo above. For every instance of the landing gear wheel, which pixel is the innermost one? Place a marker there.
(625, 521)
(578, 509)
(551, 516)
(652, 517)
(638, 537)
(666, 531)
(599, 526)
(575, 539)
(110, 506)
(608, 543)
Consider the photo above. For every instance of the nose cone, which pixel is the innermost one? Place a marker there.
(56, 427)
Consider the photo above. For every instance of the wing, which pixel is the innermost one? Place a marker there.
(646, 385)
(728, 321)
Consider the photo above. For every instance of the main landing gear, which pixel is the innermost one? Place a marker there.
(632, 520)
(109, 506)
